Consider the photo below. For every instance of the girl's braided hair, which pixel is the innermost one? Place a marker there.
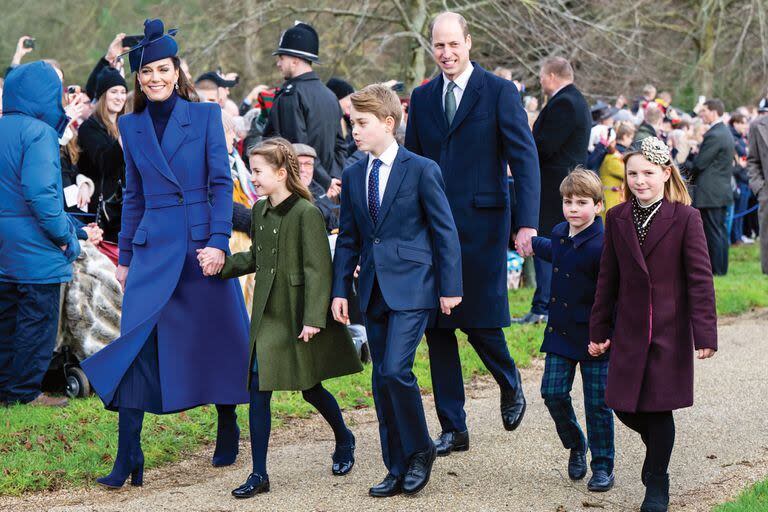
(279, 153)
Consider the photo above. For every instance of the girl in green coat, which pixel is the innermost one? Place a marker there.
(295, 343)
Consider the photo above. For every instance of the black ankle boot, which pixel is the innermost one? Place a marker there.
(656, 493)
(227, 437)
(130, 459)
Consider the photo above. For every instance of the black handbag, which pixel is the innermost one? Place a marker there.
(110, 210)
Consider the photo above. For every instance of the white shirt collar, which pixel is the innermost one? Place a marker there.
(387, 157)
(462, 80)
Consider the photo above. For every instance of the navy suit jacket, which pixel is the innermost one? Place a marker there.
(575, 267)
(413, 251)
(489, 131)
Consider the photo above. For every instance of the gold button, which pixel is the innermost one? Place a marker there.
(261, 228)
(274, 231)
(274, 251)
(550, 329)
(258, 248)
(272, 271)
(258, 268)
(553, 300)
(555, 270)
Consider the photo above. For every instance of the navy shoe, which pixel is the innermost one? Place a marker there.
(130, 459)
(390, 486)
(601, 481)
(227, 437)
(344, 457)
(656, 493)
(256, 484)
(577, 464)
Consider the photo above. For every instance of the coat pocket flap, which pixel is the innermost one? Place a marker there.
(140, 237)
(201, 232)
(414, 254)
(489, 200)
(296, 278)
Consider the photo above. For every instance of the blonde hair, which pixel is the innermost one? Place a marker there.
(379, 100)
(279, 153)
(558, 66)
(675, 188)
(582, 182)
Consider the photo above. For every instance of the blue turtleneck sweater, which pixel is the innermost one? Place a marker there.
(160, 112)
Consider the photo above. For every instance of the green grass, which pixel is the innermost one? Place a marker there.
(754, 499)
(45, 449)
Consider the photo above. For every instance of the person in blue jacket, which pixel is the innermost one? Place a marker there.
(574, 251)
(184, 336)
(37, 240)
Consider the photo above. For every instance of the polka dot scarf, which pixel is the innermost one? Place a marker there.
(643, 216)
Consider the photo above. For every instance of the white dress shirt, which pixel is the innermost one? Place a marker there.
(387, 160)
(461, 84)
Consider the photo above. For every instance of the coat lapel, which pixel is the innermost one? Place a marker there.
(396, 175)
(659, 226)
(151, 148)
(436, 103)
(175, 131)
(628, 232)
(469, 98)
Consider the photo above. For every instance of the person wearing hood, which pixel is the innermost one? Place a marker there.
(183, 336)
(39, 242)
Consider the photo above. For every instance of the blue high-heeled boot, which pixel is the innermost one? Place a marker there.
(227, 437)
(130, 459)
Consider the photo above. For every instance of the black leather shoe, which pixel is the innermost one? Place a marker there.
(513, 406)
(656, 493)
(419, 470)
(601, 481)
(531, 318)
(452, 442)
(577, 464)
(256, 484)
(344, 458)
(390, 486)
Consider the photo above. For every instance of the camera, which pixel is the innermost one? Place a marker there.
(73, 89)
(131, 41)
(29, 42)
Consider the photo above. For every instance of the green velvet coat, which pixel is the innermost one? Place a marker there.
(291, 258)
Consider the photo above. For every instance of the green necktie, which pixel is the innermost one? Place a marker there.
(450, 103)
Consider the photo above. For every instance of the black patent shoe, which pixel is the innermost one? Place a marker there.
(390, 486)
(577, 464)
(452, 442)
(344, 458)
(419, 470)
(601, 481)
(513, 405)
(256, 484)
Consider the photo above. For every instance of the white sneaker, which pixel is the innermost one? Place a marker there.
(745, 239)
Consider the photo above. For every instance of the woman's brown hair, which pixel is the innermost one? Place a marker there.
(279, 153)
(186, 90)
(675, 188)
(102, 115)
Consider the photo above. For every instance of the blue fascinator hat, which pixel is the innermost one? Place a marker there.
(155, 45)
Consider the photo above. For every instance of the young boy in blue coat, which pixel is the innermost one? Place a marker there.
(396, 224)
(574, 251)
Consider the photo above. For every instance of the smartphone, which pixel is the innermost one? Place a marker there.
(29, 43)
(73, 89)
(702, 99)
(131, 41)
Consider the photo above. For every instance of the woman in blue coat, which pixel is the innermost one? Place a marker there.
(184, 336)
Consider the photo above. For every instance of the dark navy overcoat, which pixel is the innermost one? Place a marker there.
(489, 131)
(178, 198)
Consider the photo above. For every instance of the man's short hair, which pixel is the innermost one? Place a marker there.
(649, 89)
(582, 182)
(715, 105)
(653, 114)
(448, 14)
(625, 129)
(379, 100)
(206, 85)
(558, 66)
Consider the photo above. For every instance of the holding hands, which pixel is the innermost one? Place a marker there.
(211, 260)
(598, 349)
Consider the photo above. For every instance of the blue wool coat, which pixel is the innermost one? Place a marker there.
(178, 198)
(575, 267)
(489, 131)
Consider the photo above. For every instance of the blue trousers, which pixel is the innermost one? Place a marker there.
(393, 337)
(29, 318)
(445, 368)
(556, 387)
(540, 302)
(741, 205)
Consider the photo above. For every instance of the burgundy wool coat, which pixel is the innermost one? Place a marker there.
(663, 297)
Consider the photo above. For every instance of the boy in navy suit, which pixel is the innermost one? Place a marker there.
(574, 251)
(395, 224)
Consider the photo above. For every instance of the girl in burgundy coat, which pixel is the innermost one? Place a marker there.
(655, 303)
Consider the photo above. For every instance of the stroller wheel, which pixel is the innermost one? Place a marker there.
(77, 383)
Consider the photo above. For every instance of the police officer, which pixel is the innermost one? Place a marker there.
(305, 110)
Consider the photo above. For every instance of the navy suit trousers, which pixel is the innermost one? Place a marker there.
(445, 367)
(393, 337)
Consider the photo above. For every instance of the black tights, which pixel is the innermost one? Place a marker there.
(657, 430)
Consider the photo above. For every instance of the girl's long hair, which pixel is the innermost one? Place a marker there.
(102, 115)
(675, 188)
(279, 153)
(186, 90)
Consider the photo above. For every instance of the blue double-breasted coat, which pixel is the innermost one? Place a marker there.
(178, 198)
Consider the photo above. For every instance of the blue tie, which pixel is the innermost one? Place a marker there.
(373, 191)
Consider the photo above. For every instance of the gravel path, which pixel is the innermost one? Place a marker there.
(722, 446)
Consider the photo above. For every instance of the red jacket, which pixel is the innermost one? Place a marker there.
(663, 298)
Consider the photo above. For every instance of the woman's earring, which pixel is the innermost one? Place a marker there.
(177, 86)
